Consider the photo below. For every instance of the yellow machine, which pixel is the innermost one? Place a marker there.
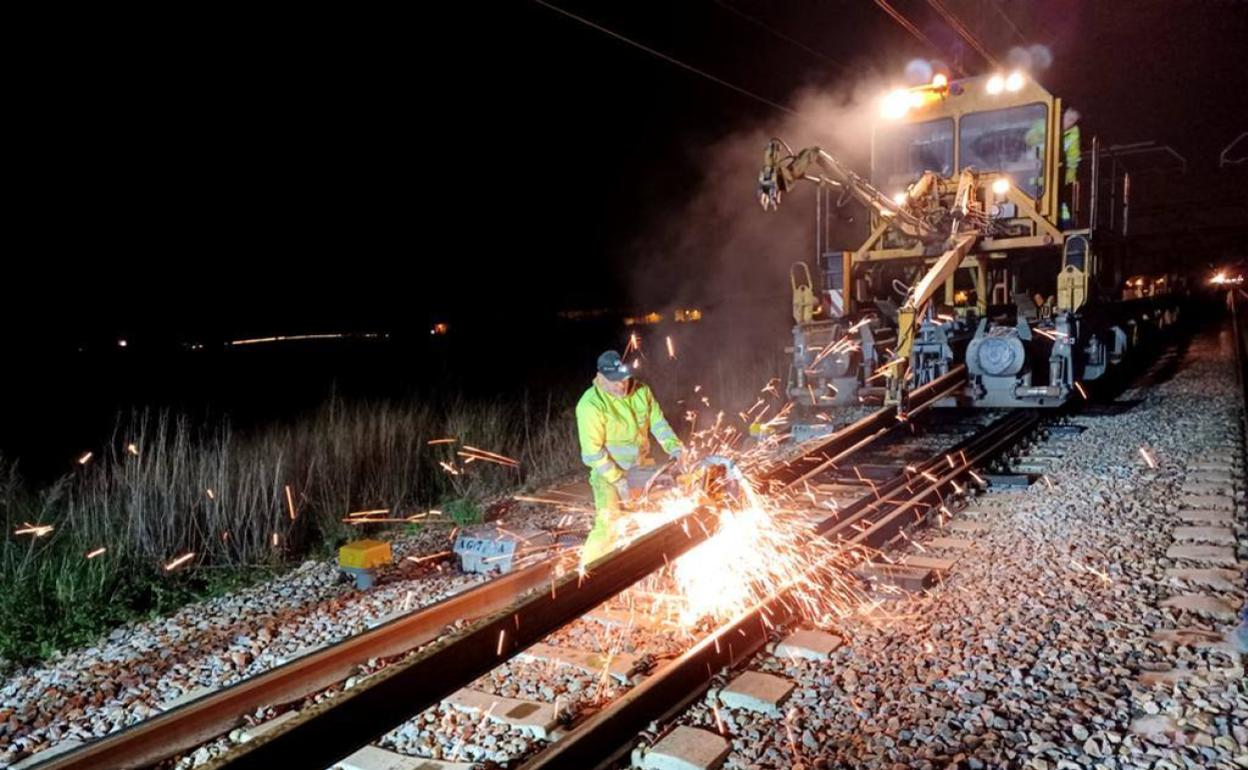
(966, 194)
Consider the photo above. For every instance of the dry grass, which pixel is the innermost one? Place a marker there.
(222, 494)
(162, 487)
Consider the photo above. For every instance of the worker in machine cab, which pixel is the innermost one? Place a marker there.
(1072, 151)
(615, 419)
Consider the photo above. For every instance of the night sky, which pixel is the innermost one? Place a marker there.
(204, 173)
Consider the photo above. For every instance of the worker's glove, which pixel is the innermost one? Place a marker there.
(621, 488)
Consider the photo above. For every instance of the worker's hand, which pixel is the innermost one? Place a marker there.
(621, 488)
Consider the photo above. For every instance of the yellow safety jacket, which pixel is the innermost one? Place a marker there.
(614, 430)
(1073, 152)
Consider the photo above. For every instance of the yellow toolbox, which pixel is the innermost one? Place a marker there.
(364, 554)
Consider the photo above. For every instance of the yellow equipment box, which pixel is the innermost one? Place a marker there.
(364, 554)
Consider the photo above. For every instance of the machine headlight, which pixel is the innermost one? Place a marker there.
(996, 84)
(896, 104)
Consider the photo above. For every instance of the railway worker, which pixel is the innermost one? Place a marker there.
(614, 420)
(1072, 151)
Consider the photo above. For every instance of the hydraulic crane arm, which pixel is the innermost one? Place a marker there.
(782, 170)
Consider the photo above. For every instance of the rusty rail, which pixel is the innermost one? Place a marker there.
(610, 733)
(206, 718)
(851, 438)
(336, 728)
(505, 626)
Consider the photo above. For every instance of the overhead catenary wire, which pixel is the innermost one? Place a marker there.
(666, 58)
(777, 33)
(1018, 34)
(907, 25)
(956, 24)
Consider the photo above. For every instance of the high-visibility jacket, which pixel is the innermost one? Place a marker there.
(1073, 152)
(614, 430)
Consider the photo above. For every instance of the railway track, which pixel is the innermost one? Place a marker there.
(511, 614)
(412, 642)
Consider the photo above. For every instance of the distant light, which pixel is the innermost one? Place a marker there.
(121, 343)
(1014, 82)
(900, 198)
(1001, 186)
(896, 104)
(301, 337)
(648, 318)
(996, 84)
(940, 81)
(440, 329)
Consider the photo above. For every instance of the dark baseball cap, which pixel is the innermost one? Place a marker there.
(611, 366)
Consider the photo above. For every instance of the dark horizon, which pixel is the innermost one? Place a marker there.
(270, 174)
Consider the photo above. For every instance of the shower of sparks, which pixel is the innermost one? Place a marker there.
(634, 345)
(421, 559)
(178, 562)
(757, 550)
(371, 512)
(38, 530)
(471, 454)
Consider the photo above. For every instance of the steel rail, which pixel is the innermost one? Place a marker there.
(205, 718)
(857, 435)
(334, 729)
(610, 733)
(213, 715)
